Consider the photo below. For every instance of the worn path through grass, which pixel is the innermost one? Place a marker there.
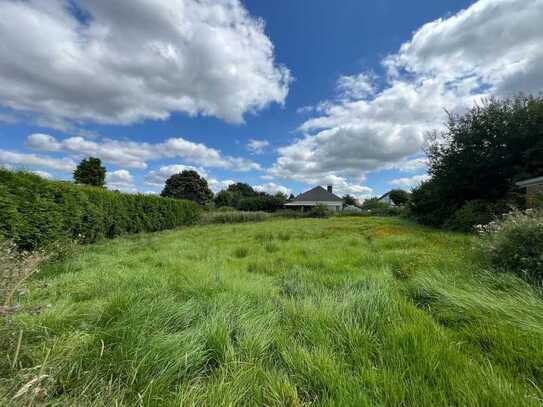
(343, 311)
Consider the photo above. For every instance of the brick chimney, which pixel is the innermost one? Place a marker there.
(329, 188)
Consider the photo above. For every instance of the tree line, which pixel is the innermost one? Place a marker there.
(189, 185)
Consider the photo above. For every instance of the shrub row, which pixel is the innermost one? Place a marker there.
(234, 217)
(35, 211)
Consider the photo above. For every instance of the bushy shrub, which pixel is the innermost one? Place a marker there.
(35, 212)
(426, 205)
(471, 214)
(319, 211)
(234, 217)
(515, 244)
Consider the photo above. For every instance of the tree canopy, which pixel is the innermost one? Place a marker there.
(188, 185)
(243, 197)
(349, 200)
(90, 172)
(399, 196)
(479, 157)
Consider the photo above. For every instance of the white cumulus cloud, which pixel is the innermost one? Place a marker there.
(272, 188)
(409, 182)
(257, 146)
(134, 154)
(22, 160)
(43, 174)
(121, 62)
(121, 180)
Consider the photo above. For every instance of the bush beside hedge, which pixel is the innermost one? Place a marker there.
(514, 244)
(35, 212)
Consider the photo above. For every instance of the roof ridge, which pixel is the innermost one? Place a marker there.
(318, 193)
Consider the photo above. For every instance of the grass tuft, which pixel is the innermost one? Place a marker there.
(241, 252)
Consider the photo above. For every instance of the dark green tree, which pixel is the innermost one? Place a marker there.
(480, 156)
(281, 198)
(188, 185)
(399, 196)
(349, 200)
(242, 190)
(224, 198)
(90, 172)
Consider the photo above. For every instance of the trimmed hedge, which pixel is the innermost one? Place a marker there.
(35, 212)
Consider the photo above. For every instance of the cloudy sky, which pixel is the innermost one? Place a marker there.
(283, 94)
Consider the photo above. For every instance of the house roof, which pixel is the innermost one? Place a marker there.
(530, 182)
(318, 194)
(384, 195)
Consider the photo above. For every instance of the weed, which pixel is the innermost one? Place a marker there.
(241, 252)
(271, 247)
(263, 237)
(283, 236)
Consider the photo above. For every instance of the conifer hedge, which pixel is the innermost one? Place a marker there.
(35, 212)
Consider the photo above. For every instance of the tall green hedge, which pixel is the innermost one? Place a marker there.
(35, 211)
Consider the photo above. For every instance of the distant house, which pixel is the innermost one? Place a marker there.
(534, 187)
(386, 199)
(317, 196)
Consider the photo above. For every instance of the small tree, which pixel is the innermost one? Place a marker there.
(399, 196)
(224, 198)
(242, 190)
(188, 185)
(349, 200)
(90, 172)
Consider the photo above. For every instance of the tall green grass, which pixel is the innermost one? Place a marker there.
(335, 312)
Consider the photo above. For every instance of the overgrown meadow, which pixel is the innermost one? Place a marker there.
(346, 311)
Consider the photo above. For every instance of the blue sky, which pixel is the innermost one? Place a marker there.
(283, 95)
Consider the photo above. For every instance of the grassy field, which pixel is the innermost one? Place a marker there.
(336, 312)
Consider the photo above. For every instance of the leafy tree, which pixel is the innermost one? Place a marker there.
(224, 198)
(242, 190)
(291, 197)
(243, 197)
(188, 185)
(349, 200)
(90, 172)
(399, 196)
(239, 191)
(373, 204)
(480, 156)
(281, 198)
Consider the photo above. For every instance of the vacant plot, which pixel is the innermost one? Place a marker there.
(345, 311)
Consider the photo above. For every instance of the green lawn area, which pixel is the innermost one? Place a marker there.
(334, 312)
